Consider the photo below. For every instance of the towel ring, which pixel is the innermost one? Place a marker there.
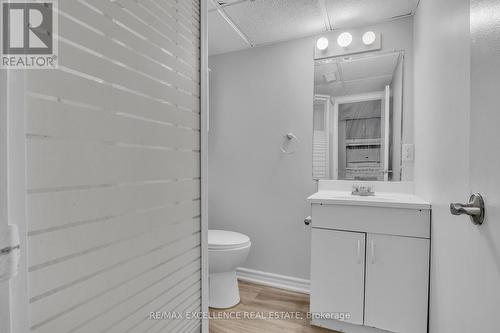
(290, 145)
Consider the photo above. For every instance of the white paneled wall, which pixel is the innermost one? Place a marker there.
(113, 156)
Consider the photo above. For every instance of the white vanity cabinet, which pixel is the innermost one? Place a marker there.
(335, 290)
(396, 285)
(370, 266)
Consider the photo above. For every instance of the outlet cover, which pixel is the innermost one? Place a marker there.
(408, 152)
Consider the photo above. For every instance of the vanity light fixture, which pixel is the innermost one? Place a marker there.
(322, 43)
(344, 39)
(369, 38)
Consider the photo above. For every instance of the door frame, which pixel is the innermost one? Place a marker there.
(365, 97)
(14, 293)
(386, 129)
(4, 286)
(204, 123)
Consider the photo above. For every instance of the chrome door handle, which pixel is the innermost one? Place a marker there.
(474, 208)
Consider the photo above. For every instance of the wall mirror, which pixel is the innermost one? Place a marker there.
(357, 117)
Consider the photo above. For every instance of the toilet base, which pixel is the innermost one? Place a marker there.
(223, 290)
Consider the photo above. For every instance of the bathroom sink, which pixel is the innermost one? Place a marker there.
(380, 199)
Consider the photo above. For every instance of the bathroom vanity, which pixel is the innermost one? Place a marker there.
(370, 261)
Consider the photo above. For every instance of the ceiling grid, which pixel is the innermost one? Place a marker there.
(240, 24)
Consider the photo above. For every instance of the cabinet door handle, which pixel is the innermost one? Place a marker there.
(372, 250)
(360, 259)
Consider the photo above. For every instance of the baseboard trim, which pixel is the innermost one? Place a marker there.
(273, 280)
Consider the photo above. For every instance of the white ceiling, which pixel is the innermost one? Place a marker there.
(354, 13)
(268, 21)
(356, 76)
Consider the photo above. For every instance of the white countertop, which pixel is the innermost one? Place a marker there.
(380, 199)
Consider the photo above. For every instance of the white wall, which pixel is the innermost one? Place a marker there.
(442, 97)
(257, 96)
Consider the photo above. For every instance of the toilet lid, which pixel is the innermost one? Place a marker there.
(223, 240)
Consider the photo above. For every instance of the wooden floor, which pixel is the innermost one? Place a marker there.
(262, 299)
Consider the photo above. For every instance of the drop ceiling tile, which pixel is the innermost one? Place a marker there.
(222, 37)
(266, 21)
(352, 88)
(360, 75)
(382, 65)
(352, 13)
(376, 66)
(322, 70)
(367, 85)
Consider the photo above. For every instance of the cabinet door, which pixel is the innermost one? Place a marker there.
(337, 273)
(397, 278)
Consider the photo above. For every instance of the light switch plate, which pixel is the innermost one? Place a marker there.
(408, 152)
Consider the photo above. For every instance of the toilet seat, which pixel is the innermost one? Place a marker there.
(226, 240)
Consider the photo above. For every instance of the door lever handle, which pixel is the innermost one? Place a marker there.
(474, 208)
(460, 209)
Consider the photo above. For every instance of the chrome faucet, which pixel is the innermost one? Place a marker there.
(362, 190)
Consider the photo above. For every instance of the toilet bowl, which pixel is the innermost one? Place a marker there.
(227, 251)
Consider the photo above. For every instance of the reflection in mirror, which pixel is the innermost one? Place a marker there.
(357, 117)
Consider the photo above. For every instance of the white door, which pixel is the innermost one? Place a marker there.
(483, 243)
(112, 184)
(457, 114)
(397, 275)
(337, 273)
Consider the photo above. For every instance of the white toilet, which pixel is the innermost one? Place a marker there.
(227, 251)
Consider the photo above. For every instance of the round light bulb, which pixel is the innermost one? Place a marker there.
(322, 43)
(369, 38)
(344, 39)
